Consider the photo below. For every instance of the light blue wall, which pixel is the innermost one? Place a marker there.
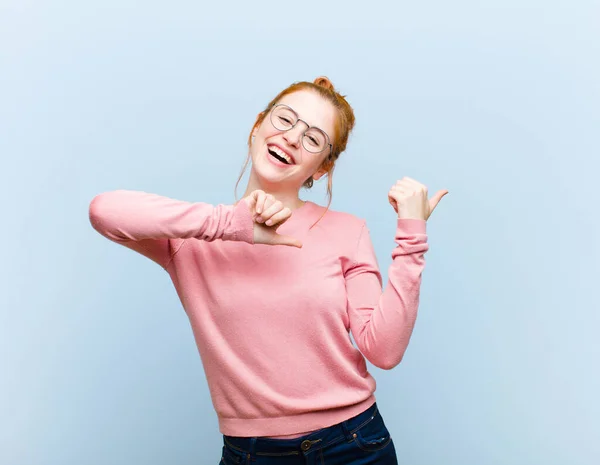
(496, 101)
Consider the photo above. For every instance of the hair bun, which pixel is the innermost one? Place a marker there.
(323, 81)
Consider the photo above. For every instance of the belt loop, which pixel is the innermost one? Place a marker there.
(346, 430)
(252, 451)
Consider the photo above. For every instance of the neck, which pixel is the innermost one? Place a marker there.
(289, 199)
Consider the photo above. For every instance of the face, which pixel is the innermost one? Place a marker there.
(271, 143)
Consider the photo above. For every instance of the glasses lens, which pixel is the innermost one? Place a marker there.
(314, 140)
(283, 118)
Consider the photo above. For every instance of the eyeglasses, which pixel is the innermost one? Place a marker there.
(314, 140)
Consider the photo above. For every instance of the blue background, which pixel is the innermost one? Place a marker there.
(496, 101)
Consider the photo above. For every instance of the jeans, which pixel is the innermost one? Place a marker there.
(360, 440)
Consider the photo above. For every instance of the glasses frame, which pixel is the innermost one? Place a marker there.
(294, 125)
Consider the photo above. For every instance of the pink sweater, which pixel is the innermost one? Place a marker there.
(272, 322)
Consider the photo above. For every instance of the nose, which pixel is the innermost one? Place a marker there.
(294, 135)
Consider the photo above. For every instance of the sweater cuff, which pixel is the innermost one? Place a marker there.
(411, 237)
(241, 227)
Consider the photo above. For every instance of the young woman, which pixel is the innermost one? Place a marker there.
(273, 285)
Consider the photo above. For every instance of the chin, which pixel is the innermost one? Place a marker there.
(269, 176)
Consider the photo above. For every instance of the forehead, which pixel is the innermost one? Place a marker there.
(312, 108)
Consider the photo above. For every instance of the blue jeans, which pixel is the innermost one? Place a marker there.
(360, 440)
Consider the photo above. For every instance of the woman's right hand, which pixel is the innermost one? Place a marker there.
(267, 208)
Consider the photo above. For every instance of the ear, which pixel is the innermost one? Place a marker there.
(319, 174)
(256, 125)
(323, 170)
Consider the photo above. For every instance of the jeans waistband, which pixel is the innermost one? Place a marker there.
(304, 444)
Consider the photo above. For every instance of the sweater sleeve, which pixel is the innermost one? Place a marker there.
(382, 322)
(147, 222)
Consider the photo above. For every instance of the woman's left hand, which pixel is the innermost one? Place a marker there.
(409, 199)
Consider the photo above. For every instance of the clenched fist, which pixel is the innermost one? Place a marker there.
(409, 199)
(268, 214)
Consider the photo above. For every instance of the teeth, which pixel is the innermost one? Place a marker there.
(281, 153)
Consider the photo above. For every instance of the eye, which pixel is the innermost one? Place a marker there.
(285, 120)
(313, 141)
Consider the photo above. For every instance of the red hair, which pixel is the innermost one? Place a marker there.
(344, 123)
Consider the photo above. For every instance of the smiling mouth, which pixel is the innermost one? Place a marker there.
(281, 159)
